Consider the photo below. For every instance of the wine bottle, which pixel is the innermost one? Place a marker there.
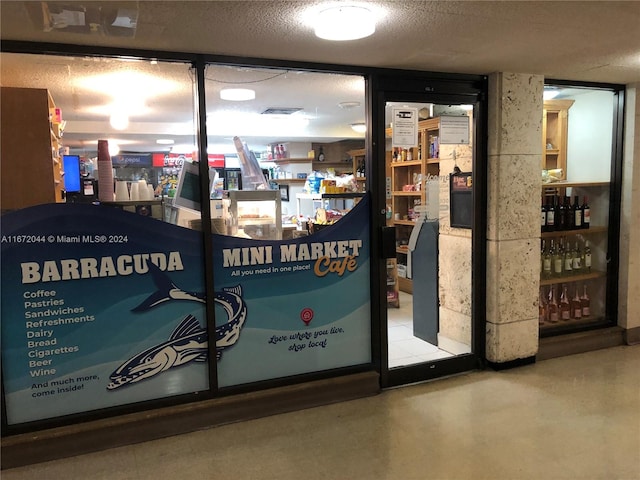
(568, 260)
(587, 257)
(557, 260)
(552, 306)
(585, 302)
(551, 214)
(543, 215)
(546, 263)
(577, 259)
(542, 307)
(561, 215)
(586, 213)
(570, 214)
(565, 306)
(576, 305)
(577, 209)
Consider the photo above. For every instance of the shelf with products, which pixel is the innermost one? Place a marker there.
(393, 295)
(574, 255)
(574, 278)
(566, 306)
(409, 169)
(555, 124)
(31, 120)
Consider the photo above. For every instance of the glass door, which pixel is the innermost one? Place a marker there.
(430, 160)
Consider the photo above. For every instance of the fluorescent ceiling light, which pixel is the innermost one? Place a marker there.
(359, 127)
(165, 141)
(237, 94)
(345, 22)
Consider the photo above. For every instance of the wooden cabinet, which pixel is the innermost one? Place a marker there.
(409, 171)
(555, 121)
(31, 168)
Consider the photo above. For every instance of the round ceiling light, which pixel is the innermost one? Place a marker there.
(345, 22)
(237, 94)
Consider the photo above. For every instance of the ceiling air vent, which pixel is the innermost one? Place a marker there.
(280, 111)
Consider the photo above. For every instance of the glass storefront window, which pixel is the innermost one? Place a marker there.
(577, 144)
(292, 238)
(102, 297)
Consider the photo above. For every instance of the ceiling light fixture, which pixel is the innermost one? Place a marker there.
(359, 127)
(345, 22)
(165, 141)
(237, 94)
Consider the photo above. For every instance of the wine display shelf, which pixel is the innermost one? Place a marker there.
(580, 231)
(580, 277)
(551, 328)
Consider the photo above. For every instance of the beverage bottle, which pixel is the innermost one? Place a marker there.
(587, 257)
(578, 212)
(552, 307)
(568, 260)
(543, 216)
(565, 306)
(576, 305)
(546, 263)
(551, 214)
(542, 307)
(557, 260)
(585, 302)
(586, 213)
(570, 214)
(560, 214)
(577, 259)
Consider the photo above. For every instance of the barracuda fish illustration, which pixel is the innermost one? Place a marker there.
(230, 298)
(189, 341)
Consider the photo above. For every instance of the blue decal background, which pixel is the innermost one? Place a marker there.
(269, 345)
(116, 334)
(275, 301)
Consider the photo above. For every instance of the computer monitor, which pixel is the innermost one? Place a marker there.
(188, 189)
(71, 169)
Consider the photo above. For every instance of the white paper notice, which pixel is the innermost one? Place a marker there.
(454, 130)
(405, 127)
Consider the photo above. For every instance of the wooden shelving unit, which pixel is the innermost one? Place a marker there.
(31, 167)
(555, 120)
(408, 186)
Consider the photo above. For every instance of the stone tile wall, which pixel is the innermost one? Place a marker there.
(513, 230)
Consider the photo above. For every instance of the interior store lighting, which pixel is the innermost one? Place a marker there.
(345, 22)
(114, 148)
(237, 94)
(359, 127)
(119, 120)
(550, 93)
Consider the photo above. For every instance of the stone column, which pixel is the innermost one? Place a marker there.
(513, 230)
(629, 276)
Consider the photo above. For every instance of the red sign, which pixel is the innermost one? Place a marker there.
(175, 160)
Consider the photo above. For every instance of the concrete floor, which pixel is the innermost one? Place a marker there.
(575, 417)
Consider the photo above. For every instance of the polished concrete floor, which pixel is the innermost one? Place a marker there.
(575, 417)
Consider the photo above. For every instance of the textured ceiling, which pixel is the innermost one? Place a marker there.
(576, 40)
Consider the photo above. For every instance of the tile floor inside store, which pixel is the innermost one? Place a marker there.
(574, 417)
(404, 348)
